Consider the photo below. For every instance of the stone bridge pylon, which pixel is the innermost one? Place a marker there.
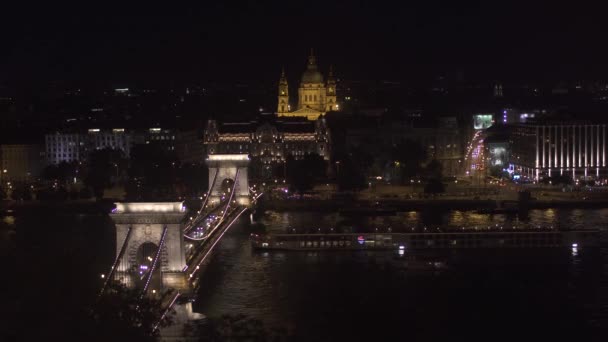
(232, 167)
(150, 248)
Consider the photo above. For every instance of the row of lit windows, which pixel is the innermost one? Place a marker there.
(310, 98)
(162, 137)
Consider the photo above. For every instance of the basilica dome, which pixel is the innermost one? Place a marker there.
(312, 74)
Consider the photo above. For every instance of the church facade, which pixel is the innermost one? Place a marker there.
(315, 96)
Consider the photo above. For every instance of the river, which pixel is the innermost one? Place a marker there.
(362, 295)
(329, 296)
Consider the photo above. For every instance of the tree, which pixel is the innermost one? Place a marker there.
(350, 176)
(434, 170)
(22, 192)
(63, 172)
(193, 178)
(103, 166)
(434, 174)
(498, 171)
(302, 173)
(152, 173)
(407, 157)
(122, 311)
(85, 193)
(434, 186)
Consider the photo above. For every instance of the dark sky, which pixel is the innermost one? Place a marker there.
(227, 40)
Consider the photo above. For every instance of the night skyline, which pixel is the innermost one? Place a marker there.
(484, 42)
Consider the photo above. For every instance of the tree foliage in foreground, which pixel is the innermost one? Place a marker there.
(121, 312)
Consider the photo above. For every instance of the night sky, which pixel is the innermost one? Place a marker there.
(232, 41)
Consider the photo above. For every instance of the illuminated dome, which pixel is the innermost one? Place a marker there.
(312, 75)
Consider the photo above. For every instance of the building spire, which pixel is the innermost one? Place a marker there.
(312, 60)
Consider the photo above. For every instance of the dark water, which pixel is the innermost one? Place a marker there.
(485, 295)
(333, 296)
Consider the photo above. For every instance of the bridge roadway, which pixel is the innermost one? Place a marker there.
(204, 248)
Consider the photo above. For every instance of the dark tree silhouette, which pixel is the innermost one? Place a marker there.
(434, 170)
(104, 165)
(122, 312)
(349, 175)
(152, 173)
(408, 157)
(22, 192)
(302, 173)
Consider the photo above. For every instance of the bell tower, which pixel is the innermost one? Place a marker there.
(330, 97)
(283, 103)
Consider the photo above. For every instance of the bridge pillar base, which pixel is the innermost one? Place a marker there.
(175, 280)
(243, 200)
(213, 201)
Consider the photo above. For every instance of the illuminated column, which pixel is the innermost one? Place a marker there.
(580, 149)
(591, 160)
(537, 147)
(555, 161)
(567, 148)
(597, 147)
(561, 146)
(586, 151)
(544, 154)
(574, 147)
(549, 149)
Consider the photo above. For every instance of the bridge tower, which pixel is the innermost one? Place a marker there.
(141, 228)
(232, 167)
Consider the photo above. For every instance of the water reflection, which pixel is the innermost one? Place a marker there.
(318, 291)
(408, 221)
(9, 220)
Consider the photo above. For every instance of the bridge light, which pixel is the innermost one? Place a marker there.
(103, 276)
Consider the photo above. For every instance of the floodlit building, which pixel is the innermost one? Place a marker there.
(269, 141)
(315, 96)
(575, 150)
(64, 147)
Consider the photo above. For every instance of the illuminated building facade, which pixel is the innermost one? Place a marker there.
(76, 146)
(269, 142)
(577, 150)
(315, 97)
(71, 147)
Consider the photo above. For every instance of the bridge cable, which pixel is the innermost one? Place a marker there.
(224, 211)
(156, 257)
(216, 241)
(118, 258)
(166, 311)
(191, 225)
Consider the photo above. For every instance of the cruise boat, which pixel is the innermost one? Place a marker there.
(466, 239)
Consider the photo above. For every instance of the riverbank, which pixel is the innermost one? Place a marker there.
(329, 205)
(68, 206)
